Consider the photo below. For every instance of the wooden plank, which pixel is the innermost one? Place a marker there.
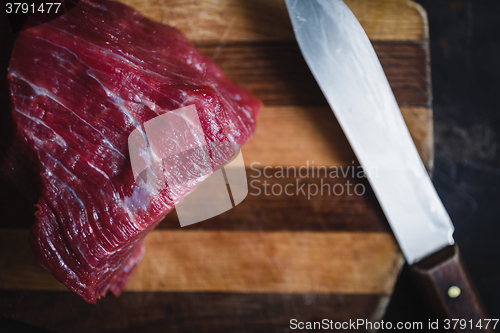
(185, 312)
(390, 20)
(278, 75)
(232, 261)
(263, 20)
(310, 204)
(268, 262)
(419, 123)
(407, 67)
(294, 135)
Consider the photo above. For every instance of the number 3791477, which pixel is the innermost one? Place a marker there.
(469, 324)
(32, 8)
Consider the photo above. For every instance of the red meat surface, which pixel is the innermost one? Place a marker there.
(80, 84)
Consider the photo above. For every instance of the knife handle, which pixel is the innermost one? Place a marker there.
(450, 292)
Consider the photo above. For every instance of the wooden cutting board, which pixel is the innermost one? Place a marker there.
(275, 256)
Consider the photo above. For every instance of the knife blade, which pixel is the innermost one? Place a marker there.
(346, 67)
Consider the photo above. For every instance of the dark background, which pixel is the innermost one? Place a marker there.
(465, 62)
(465, 53)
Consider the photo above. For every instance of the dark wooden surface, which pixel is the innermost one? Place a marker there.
(318, 213)
(186, 312)
(277, 74)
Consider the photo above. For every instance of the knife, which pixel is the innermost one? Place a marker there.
(345, 66)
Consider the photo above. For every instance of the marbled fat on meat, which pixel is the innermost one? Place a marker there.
(80, 84)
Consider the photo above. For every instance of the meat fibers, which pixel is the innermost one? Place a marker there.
(80, 85)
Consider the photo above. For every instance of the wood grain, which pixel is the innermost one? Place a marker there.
(277, 73)
(389, 20)
(331, 206)
(295, 136)
(232, 261)
(263, 20)
(420, 124)
(185, 312)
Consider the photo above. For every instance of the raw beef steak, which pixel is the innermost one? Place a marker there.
(80, 84)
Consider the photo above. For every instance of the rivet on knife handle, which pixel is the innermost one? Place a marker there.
(445, 283)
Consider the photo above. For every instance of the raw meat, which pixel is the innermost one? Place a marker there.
(80, 85)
